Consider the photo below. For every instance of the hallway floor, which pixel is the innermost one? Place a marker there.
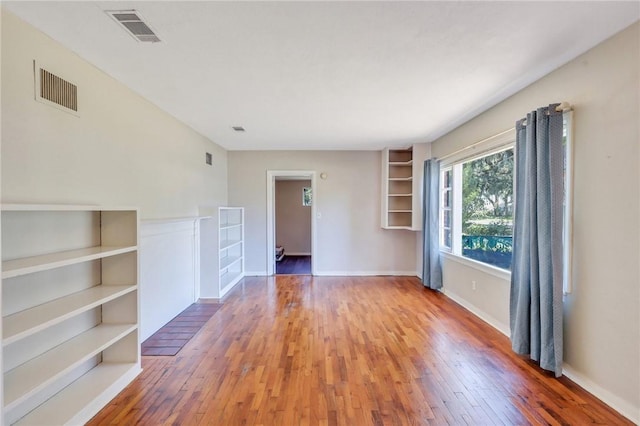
(294, 265)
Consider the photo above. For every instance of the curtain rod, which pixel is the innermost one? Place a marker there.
(563, 107)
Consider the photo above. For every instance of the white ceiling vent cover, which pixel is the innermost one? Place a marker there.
(132, 21)
(55, 91)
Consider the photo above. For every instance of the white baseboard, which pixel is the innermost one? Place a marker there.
(623, 407)
(365, 273)
(255, 273)
(286, 253)
(493, 322)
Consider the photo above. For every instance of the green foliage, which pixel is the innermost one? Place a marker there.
(487, 191)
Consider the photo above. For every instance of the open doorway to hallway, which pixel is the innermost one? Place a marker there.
(293, 201)
(302, 249)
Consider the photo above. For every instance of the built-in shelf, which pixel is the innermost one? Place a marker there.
(401, 192)
(229, 243)
(24, 381)
(232, 225)
(30, 321)
(29, 265)
(227, 261)
(69, 313)
(67, 407)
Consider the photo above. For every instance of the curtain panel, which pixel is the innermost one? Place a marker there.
(536, 276)
(431, 267)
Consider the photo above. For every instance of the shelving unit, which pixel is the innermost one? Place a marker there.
(69, 310)
(225, 229)
(231, 249)
(400, 208)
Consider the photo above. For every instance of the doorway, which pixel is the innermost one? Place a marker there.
(290, 225)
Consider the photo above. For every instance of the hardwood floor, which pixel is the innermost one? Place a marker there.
(302, 350)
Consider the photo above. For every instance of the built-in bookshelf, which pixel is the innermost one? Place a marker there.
(400, 198)
(69, 310)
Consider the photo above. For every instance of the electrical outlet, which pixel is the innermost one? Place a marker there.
(473, 285)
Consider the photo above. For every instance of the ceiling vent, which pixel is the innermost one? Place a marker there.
(238, 128)
(55, 91)
(131, 21)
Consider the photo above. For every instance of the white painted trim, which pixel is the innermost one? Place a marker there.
(623, 407)
(486, 268)
(271, 224)
(286, 253)
(364, 273)
(493, 322)
(255, 274)
(153, 227)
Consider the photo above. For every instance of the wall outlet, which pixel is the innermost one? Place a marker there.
(473, 285)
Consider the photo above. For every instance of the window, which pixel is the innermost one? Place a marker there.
(476, 215)
(306, 196)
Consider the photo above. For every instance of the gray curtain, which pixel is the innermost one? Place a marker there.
(536, 273)
(431, 269)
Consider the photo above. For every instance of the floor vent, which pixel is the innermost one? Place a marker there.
(54, 90)
(131, 21)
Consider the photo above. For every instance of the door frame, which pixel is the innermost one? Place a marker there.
(271, 214)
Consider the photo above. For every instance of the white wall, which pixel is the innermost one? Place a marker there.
(350, 239)
(121, 150)
(293, 220)
(602, 320)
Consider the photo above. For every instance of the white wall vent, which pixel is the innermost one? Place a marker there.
(132, 21)
(53, 90)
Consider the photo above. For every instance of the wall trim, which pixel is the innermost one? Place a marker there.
(286, 253)
(493, 322)
(255, 273)
(623, 407)
(483, 267)
(365, 273)
(618, 404)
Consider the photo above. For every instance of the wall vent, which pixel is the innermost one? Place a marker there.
(132, 21)
(54, 90)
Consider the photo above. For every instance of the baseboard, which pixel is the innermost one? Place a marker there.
(255, 273)
(286, 253)
(493, 322)
(365, 273)
(620, 405)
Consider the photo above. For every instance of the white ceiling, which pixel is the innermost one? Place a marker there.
(330, 75)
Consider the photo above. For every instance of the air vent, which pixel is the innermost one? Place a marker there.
(238, 128)
(54, 90)
(131, 21)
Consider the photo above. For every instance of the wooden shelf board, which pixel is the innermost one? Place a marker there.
(400, 227)
(400, 211)
(27, 379)
(87, 391)
(30, 321)
(401, 163)
(398, 179)
(29, 265)
(230, 225)
(400, 195)
(61, 208)
(228, 243)
(225, 262)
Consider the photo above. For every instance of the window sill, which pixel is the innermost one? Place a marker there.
(488, 269)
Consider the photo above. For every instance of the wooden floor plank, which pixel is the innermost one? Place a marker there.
(302, 350)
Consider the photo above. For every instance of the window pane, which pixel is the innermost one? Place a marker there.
(487, 209)
(306, 196)
(446, 199)
(446, 218)
(446, 238)
(447, 179)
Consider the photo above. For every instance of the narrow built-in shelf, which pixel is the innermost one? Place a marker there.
(400, 195)
(230, 225)
(407, 179)
(66, 407)
(29, 265)
(400, 211)
(228, 278)
(24, 381)
(227, 261)
(30, 321)
(228, 243)
(401, 163)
